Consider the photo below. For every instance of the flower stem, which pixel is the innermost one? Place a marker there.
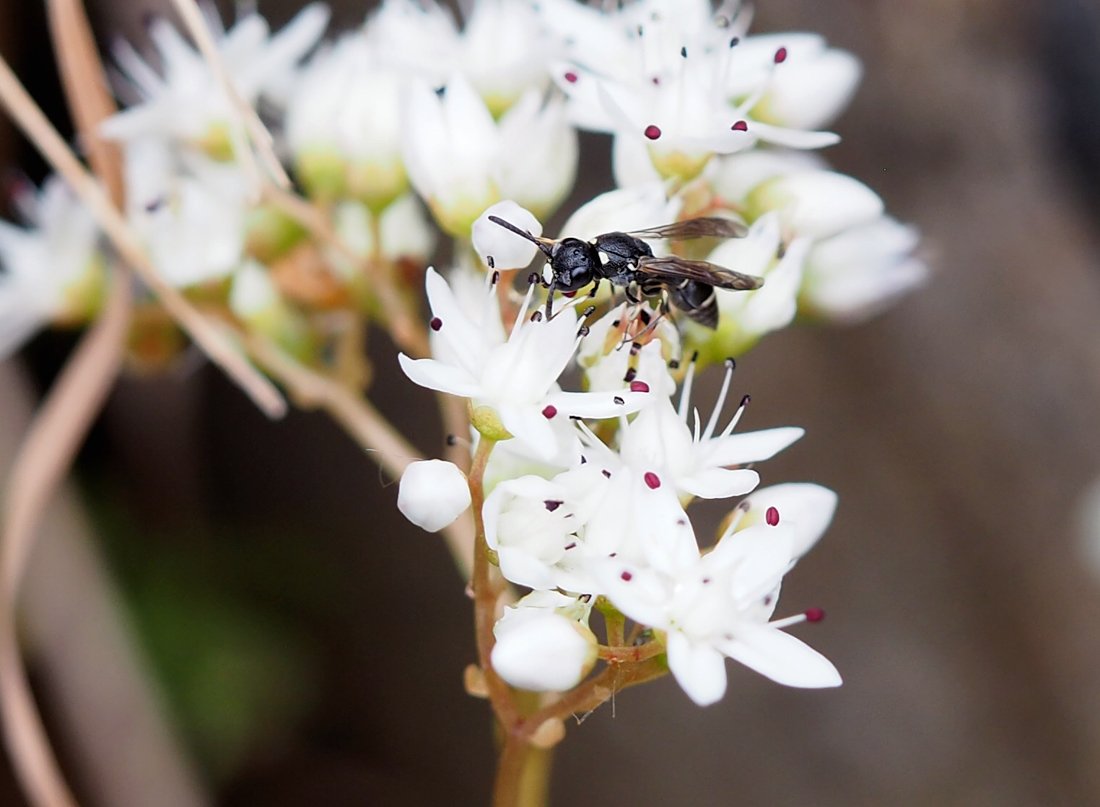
(487, 590)
(597, 690)
(523, 775)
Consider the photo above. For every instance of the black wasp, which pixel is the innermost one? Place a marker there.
(625, 259)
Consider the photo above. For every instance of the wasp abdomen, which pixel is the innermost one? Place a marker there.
(697, 300)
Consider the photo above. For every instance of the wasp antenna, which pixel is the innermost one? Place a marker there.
(545, 244)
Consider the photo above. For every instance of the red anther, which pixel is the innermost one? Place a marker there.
(626, 577)
(781, 56)
(436, 323)
(639, 386)
(814, 614)
(652, 132)
(740, 126)
(772, 517)
(571, 77)
(652, 480)
(549, 411)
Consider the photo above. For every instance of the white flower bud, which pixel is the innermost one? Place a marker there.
(736, 175)
(450, 151)
(432, 494)
(541, 650)
(858, 272)
(506, 249)
(816, 204)
(252, 294)
(539, 150)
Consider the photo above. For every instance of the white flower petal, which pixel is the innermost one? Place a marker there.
(782, 658)
(792, 138)
(818, 204)
(699, 669)
(529, 424)
(720, 483)
(809, 94)
(439, 376)
(806, 508)
(599, 404)
(745, 447)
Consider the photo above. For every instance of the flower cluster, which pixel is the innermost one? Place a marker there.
(420, 123)
(587, 491)
(420, 116)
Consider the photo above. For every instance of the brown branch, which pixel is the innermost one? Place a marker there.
(212, 341)
(42, 461)
(246, 125)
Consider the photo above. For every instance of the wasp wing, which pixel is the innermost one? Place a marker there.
(704, 227)
(674, 268)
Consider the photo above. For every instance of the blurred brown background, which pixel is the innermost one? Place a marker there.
(309, 644)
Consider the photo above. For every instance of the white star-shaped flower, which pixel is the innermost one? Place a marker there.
(686, 86)
(719, 607)
(515, 379)
(500, 50)
(51, 270)
(660, 446)
(343, 124)
(185, 101)
(461, 160)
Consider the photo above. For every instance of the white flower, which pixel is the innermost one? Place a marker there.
(253, 295)
(735, 176)
(50, 271)
(543, 643)
(698, 461)
(405, 230)
(805, 508)
(808, 90)
(539, 151)
(859, 260)
(343, 124)
(501, 51)
(432, 494)
(555, 533)
(688, 94)
(548, 532)
(858, 272)
(450, 153)
(719, 607)
(816, 204)
(512, 384)
(194, 225)
(635, 208)
(186, 101)
(745, 316)
(499, 248)
(461, 161)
